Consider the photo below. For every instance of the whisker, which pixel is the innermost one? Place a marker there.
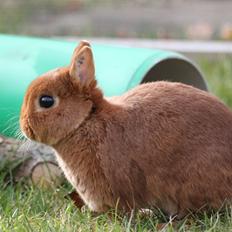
(19, 135)
(26, 146)
(12, 124)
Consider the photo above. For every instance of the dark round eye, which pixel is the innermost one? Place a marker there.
(46, 101)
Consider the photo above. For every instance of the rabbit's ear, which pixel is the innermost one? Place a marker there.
(82, 64)
(80, 46)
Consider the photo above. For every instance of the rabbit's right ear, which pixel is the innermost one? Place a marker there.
(82, 64)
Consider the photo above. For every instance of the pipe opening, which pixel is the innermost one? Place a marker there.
(176, 70)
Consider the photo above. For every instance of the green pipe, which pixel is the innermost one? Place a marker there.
(118, 69)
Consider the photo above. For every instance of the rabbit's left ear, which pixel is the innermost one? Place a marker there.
(82, 64)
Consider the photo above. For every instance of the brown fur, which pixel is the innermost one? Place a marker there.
(161, 144)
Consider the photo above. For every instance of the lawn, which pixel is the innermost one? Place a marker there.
(218, 74)
(28, 208)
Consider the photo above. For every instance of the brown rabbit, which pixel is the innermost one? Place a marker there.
(162, 144)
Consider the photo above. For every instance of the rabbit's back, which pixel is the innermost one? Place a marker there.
(170, 142)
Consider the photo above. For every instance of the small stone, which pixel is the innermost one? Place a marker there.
(1, 140)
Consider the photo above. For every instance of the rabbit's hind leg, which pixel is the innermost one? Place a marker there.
(74, 196)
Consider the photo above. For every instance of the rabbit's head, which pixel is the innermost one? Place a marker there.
(57, 102)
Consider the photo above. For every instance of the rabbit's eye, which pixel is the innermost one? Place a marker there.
(46, 101)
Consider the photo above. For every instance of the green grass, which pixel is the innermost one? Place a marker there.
(27, 208)
(218, 74)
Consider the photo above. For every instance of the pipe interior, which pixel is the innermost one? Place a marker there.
(176, 70)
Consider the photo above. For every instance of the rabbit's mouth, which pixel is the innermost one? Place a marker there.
(31, 132)
(28, 131)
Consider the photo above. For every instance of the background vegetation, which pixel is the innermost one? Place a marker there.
(218, 73)
(122, 18)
